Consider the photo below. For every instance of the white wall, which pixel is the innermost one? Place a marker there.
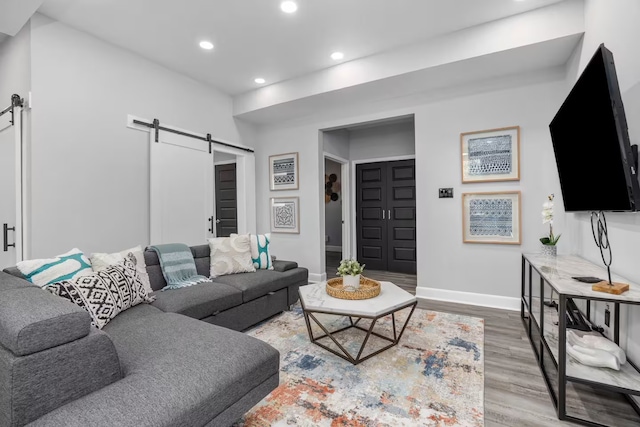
(614, 23)
(444, 261)
(336, 142)
(220, 157)
(89, 172)
(386, 140)
(15, 66)
(333, 209)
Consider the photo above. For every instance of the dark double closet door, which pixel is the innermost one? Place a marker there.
(386, 215)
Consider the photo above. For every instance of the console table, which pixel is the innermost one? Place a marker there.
(546, 326)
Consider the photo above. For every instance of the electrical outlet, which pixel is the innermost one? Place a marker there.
(445, 193)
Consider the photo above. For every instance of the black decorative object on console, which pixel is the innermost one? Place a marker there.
(599, 221)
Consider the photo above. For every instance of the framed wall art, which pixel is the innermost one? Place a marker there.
(491, 155)
(283, 172)
(285, 215)
(491, 217)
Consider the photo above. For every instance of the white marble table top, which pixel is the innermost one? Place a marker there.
(558, 272)
(315, 298)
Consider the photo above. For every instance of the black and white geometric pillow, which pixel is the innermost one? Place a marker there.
(106, 293)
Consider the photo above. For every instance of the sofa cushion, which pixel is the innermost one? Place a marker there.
(198, 301)
(260, 283)
(137, 312)
(178, 372)
(106, 293)
(33, 320)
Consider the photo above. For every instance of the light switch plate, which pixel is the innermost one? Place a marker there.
(445, 193)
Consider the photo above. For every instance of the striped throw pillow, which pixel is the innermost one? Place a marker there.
(43, 272)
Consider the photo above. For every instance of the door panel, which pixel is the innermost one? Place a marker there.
(401, 204)
(371, 224)
(226, 200)
(386, 215)
(181, 189)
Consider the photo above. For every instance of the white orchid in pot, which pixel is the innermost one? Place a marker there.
(550, 241)
(350, 270)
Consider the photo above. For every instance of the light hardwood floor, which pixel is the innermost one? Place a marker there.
(515, 392)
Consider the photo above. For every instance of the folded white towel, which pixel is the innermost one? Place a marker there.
(598, 343)
(593, 357)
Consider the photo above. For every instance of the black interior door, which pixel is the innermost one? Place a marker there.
(386, 215)
(226, 200)
(371, 223)
(401, 216)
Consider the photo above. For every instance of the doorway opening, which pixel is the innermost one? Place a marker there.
(335, 170)
(381, 211)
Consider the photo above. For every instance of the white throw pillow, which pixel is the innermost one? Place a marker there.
(100, 261)
(230, 255)
(260, 251)
(67, 266)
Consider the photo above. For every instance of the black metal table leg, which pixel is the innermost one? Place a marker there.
(344, 353)
(562, 357)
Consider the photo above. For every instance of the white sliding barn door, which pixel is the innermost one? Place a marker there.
(10, 189)
(182, 191)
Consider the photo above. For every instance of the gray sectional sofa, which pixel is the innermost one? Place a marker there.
(176, 362)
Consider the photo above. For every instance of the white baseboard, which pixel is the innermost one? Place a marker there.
(483, 300)
(329, 248)
(317, 278)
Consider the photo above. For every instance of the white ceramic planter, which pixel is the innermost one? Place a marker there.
(351, 281)
(549, 250)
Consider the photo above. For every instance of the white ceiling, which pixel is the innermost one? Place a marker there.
(253, 38)
(14, 14)
(459, 78)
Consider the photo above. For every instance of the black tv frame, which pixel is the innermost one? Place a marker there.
(628, 152)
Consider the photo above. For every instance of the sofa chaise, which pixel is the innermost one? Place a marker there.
(178, 361)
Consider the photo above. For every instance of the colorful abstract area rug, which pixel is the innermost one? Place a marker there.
(433, 377)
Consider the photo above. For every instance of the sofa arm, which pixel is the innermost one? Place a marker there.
(33, 320)
(283, 266)
(34, 385)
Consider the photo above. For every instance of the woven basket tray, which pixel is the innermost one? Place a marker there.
(369, 288)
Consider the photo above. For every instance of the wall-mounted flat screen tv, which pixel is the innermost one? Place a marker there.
(595, 159)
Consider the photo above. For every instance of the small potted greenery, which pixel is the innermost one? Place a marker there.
(350, 271)
(550, 241)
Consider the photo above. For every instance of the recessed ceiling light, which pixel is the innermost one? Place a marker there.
(206, 45)
(288, 6)
(336, 56)
(260, 81)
